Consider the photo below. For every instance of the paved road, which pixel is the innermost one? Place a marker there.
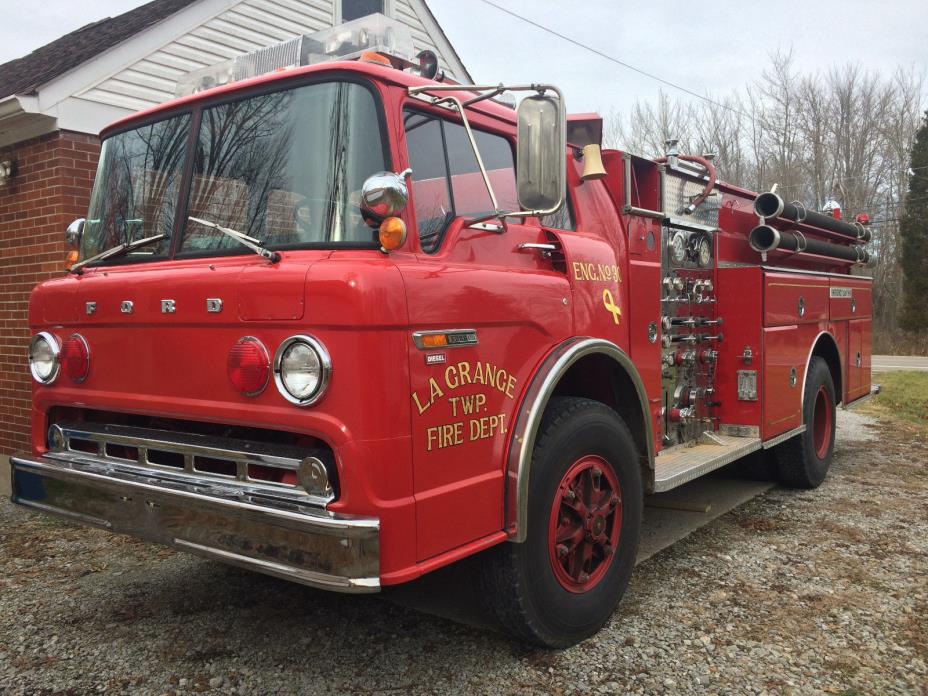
(895, 363)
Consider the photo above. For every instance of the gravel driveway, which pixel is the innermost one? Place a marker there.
(794, 592)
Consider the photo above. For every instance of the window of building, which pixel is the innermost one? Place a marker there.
(446, 179)
(354, 9)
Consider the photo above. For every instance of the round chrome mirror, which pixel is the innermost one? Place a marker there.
(384, 194)
(74, 233)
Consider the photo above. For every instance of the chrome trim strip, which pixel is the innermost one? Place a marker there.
(307, 577)
(799, 271)
(76, 516)
(783, 437)
(805, 376)
(539, 392)
(191, 447)
(417, 337)
(313, 547)
(861, 399)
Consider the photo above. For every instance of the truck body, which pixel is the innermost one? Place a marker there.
(352, 417)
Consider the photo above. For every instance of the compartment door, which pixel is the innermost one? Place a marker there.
(858, 357)
(785, 356)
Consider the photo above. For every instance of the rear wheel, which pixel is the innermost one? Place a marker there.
(803, 461)
(584, 517)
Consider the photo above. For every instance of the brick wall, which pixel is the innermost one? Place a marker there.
(51, 187)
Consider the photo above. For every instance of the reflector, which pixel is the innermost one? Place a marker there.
(75, 358)
(249, 366)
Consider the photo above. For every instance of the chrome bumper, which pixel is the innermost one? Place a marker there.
(295, 542)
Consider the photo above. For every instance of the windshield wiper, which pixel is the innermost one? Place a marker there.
(241, 238)
(118, 250)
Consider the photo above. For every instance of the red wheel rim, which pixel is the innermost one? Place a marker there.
(586, 518)
(821, 423)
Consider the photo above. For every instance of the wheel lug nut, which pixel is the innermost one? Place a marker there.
(613, 501)
(570, 494)
(608, 549)
(584, 577)
(561, 550)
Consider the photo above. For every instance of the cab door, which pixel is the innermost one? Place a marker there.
(483, 311)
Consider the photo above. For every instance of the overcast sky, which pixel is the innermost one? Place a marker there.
(706, 46)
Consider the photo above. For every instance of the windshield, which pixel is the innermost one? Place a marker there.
(137, 186)
(285, 168)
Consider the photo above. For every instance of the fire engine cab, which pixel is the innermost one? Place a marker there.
(348, 322)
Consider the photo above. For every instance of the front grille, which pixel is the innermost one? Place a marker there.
(262, 469)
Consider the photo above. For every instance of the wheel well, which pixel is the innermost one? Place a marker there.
(601, 378)
(827, 349)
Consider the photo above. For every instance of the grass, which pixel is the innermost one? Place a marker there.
(898, 342)
(903, 396)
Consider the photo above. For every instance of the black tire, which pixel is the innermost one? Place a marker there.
(757, 466)
(803, 461)
(518, 581)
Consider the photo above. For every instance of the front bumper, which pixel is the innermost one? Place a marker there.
(307, 545)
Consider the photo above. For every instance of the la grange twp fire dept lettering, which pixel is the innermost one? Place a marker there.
(474, 426)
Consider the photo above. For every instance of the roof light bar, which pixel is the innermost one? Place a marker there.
(374, 33)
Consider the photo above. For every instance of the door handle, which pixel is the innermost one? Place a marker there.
(546, 249)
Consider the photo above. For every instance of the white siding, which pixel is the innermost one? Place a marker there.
(246, 26)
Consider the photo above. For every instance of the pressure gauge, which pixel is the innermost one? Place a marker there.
(704, 252)
(677, 248)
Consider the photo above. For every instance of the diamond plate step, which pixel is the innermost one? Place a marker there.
(683, 463)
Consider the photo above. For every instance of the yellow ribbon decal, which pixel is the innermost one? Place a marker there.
(611, 307)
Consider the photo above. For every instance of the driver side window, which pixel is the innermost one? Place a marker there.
(446, 179)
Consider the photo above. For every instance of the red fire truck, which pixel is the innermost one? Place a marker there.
(348, 322)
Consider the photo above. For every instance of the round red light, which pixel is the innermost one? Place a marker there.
(249, 366)
(75, 358)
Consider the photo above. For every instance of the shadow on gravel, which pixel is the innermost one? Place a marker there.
(195, 611)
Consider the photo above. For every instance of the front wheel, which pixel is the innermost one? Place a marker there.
(803, 461)
(584, 520)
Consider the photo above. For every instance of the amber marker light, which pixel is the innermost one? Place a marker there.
(71, 259)
(392, 234)
(434, 341)
(374, 57)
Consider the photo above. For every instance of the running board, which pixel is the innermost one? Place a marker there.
(682, 463)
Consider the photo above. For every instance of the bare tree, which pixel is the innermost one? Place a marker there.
(846, 134)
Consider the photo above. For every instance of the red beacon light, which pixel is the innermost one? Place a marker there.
(863, 218)
(249, 366)
(75, 358)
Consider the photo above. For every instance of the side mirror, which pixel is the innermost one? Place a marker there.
(383, 195)
(74, 233)
(541, 164)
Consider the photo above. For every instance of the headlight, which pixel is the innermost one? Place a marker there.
(301, 370)
(43, 357)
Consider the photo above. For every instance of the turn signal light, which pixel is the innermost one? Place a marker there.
(434, 341)
(392, 233)
(249, 366)
(75, 358)
(71, 259)
(374, 57)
